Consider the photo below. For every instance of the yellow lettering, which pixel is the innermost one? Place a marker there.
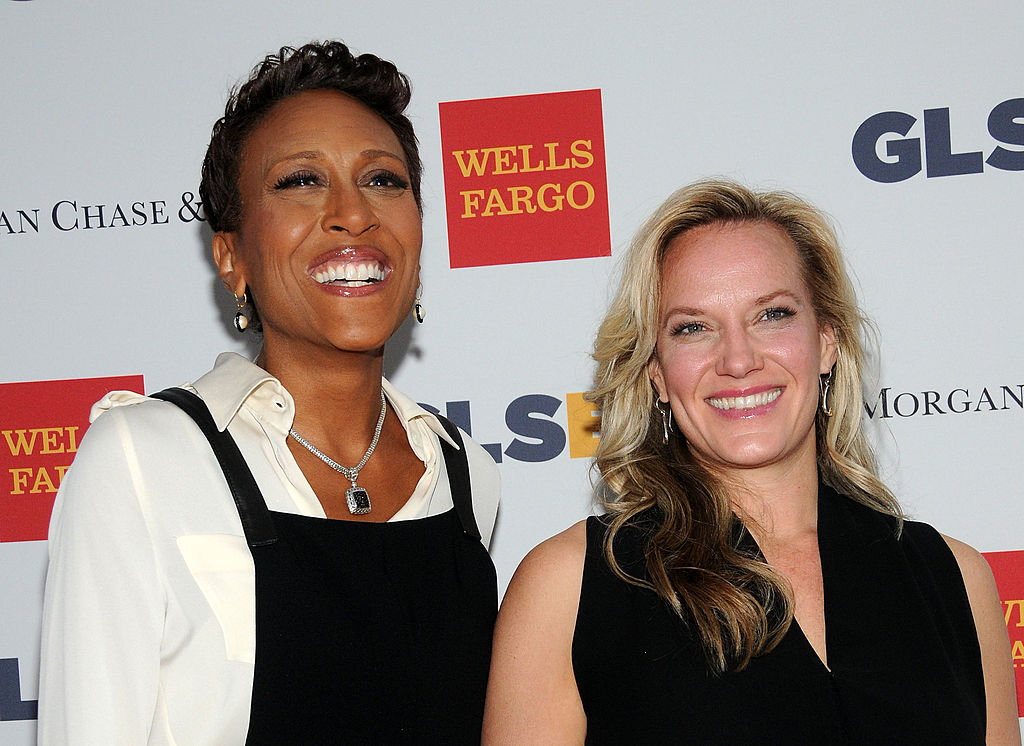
(72, 432)
(43, 482)
(494, 202)
(20, 445)
(1018, 653)
(471, 201)
(50, 436)
(1017, 604)
(552, 157)
(556, 204)
(584, 426)
(526, 168)
(571, 193)
(583, 157)
(503, 161)
(42, 479)
(20, 480)
(475, 164)
(522, 195)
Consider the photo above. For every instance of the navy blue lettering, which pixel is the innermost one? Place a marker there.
(12, 706)
(550, 434)
(89, 215)
(139, 210)
(23, 217)
(53, 215)
(1002, 127)
(906, 151)
(1007, 391)
(985, 397)
(883, 400)
(966, 402)
(158, 212)
(931, 399)
(896, 404)
(118, 216)
(938, 149)
(458, 412)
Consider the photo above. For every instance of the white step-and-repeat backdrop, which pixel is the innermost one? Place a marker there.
(548, 132)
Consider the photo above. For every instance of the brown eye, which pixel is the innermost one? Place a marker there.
(386, 180)
(297, 179)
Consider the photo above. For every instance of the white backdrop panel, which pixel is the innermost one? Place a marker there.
(113, 103)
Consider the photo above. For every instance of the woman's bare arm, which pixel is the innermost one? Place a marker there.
(532, 695)
(1000, 693)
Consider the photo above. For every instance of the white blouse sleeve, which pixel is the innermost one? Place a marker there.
(104, 602)
(486, 485)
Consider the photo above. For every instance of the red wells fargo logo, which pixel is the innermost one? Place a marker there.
(525, 178)
(1008, 568)
(41, 425)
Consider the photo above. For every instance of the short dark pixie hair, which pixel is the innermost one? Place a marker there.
(315, 66)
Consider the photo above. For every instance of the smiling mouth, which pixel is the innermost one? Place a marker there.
(745, 402)
(351, 274)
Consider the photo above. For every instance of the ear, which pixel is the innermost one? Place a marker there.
(657, 378)
(227, 259)
(829, 349)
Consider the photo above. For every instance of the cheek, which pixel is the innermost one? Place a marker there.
(681, 372)
(798, 350)
(408, 228)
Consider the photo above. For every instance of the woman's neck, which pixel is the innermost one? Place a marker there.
(777, 502)
(337, 394)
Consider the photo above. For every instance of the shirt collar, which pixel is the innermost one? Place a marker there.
(409, 411)
(234, 380)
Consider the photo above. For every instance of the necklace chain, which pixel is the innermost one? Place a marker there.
(350, 472)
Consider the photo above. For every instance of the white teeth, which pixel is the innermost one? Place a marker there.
(351, 274)
(745, 402)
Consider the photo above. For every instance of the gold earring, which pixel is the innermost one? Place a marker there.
(241, 319)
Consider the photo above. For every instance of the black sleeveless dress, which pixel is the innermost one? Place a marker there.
(902, 647)
(366, 633)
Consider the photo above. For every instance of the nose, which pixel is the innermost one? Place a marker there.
(738, 354)
(347, 209)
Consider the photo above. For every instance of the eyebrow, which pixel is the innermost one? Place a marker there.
(759, 301)
(372, 153)
(309, 155)
(768, 298)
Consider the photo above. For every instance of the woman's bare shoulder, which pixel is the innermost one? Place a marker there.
(983, 596)
(532, 695)
(562, 553)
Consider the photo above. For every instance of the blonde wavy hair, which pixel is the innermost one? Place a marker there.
(735, 602)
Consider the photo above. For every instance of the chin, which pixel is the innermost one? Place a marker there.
(749, 455)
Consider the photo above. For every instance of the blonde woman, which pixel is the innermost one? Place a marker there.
(753, 581)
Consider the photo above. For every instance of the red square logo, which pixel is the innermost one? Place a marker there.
(1008, 568)
(41, 425)
(525, 178)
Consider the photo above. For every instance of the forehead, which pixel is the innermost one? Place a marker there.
(320, 121)
(731, 261)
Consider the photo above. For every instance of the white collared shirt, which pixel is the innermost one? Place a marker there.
(149, 614)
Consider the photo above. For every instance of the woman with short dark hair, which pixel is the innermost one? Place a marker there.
(291, 550)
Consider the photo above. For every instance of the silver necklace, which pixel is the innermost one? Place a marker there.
(357, 498)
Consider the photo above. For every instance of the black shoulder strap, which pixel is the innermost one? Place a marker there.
(457, 465)
(252, 509)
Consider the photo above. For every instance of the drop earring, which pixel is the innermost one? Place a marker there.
(241, 319)
(827, 397)
(417, 309)
(666, 420)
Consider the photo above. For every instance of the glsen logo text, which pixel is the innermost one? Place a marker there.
(902, 157)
